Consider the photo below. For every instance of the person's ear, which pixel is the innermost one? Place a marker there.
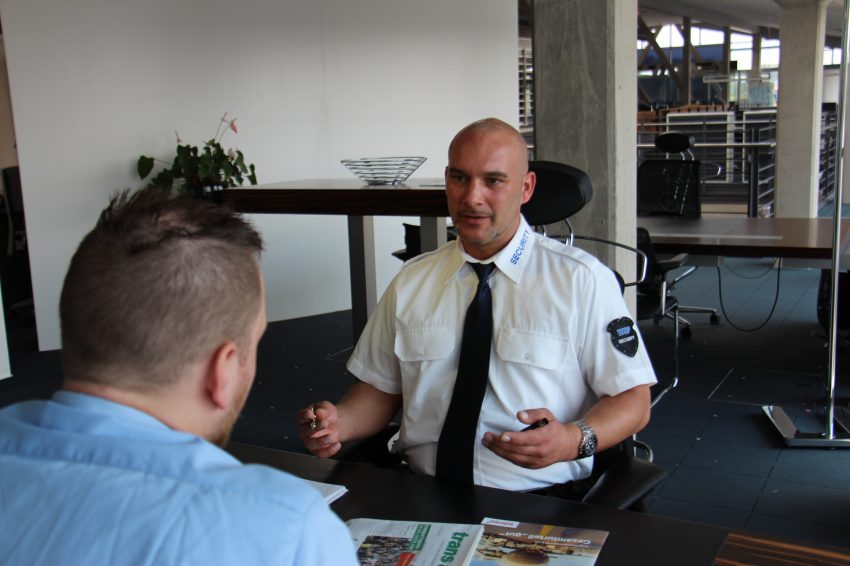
(222, 380)
(528, 183)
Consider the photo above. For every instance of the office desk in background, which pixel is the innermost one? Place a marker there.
(807, 239)
(425, 198)
(634, 538)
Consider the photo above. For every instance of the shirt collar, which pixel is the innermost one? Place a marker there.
(104, 407)
(510, 260)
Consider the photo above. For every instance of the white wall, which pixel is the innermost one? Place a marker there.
(95, 83)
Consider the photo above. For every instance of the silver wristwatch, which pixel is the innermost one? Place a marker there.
(587, 446)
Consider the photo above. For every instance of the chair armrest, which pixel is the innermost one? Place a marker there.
(672, 262)
(625, 483)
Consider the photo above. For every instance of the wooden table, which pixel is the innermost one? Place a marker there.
(425, 198)
(635, 538)
(739, 236)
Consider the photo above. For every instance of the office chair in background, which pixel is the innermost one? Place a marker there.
(671, 187)
(413, 243)
(655, 302)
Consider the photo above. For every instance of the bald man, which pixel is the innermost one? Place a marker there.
(552, 355)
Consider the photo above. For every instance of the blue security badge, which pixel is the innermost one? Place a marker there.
(623, 336)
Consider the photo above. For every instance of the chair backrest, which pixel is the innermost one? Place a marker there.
(673, 142)
(669, 187)
(560, 192)
(651, 281)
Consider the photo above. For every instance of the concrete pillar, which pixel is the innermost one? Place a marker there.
(687, 95)
(726, 68)
(586, 105)
(755, 70)
(801, 34)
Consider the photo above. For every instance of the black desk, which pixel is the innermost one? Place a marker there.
(634, 538)
(737, 236)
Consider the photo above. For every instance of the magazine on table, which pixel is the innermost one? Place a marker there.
(330, 491)
(413, 543)
(511, 542)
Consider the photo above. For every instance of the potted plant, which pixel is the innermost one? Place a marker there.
(201, 171)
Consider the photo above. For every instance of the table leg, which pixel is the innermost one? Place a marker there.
(432, 232)
(361, 258)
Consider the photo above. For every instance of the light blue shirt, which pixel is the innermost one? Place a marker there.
(87, 481)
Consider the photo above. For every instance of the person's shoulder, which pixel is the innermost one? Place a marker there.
(430, 258)
(267, 486)
(425, 264)
(570, 254)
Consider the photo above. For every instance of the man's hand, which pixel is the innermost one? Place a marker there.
(538, 447)
(317, 427)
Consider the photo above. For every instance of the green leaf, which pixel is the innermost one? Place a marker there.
(144, 166)
(162, 180)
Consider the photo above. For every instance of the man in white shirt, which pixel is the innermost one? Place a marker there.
(563, 346)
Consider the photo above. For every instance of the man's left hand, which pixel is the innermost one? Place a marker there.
(538, 447)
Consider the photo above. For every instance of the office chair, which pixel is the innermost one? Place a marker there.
(413, 243)
(671, 187)
(656, 303)
(624, 480)
(562, 191)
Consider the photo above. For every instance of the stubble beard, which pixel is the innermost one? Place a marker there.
(221, 437)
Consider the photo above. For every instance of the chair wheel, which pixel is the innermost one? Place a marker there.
(714, 319)
(685, 332)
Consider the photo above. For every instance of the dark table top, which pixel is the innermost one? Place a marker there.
(634, 538)
(739, 236)
(417, 197)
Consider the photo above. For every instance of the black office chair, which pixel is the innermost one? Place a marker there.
(624, 480)
(561, 192)
(413, 242)
(656, 303)
(671, 187)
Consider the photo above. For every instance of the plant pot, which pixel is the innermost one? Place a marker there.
(209, 192)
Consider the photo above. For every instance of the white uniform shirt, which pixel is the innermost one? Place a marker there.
(552, 305)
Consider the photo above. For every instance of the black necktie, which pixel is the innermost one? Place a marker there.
(457, 439)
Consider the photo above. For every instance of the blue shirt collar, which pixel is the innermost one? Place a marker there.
(107, 408)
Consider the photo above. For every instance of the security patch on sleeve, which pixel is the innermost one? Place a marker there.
(623, 336)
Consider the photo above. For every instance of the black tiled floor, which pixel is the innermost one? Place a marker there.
(728, 465)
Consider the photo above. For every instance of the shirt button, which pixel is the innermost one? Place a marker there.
(528, 357)
(421, 352)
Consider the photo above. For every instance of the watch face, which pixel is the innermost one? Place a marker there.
(590, 444)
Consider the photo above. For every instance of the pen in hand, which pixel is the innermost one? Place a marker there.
(536, 424)
(314, 421)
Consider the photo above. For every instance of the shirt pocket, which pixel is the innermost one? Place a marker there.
(424, 344)
(540, 350)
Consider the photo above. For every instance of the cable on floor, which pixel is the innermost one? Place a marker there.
(772, 308)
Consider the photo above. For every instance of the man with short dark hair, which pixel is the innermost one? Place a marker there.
(560, 348)
(161, 313)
